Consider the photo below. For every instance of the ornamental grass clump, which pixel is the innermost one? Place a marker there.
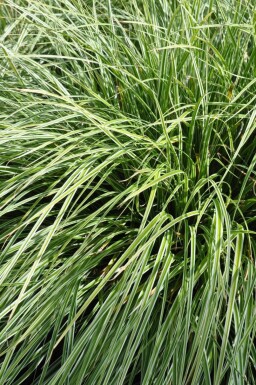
(127, 192)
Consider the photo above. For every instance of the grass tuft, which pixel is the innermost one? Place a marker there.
(127, 192)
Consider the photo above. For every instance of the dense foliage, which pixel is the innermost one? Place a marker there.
(127, 185)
